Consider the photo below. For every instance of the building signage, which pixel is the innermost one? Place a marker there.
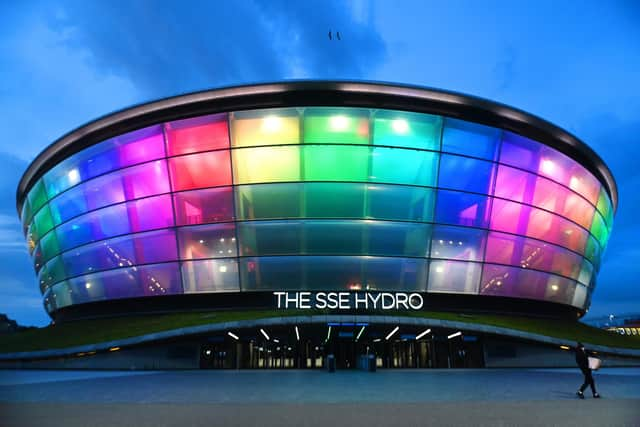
(349, 300)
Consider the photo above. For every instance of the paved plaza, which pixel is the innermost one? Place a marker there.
(317, 398)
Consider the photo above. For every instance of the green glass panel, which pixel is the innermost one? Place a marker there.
(400, 203)
(49, 246)
(404, 129)
(268, 201)
(43, 221)
(599, 230)
(334, 200)
(605, 208)
(592, 252)
(336, 126)
(398, 166)
(266, 164)
(52, 272)
(37, 196)
(335, 163)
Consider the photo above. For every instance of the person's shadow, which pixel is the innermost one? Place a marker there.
(563, 394)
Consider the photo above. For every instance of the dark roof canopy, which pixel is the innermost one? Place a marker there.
(318, 93)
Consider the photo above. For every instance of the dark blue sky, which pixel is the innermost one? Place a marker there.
(574, 63)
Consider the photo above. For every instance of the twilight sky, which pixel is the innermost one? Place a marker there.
(574, 63)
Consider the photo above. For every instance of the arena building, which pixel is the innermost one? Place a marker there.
(352, 200)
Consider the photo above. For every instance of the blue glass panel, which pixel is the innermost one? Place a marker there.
(462, 209)
(68, 205)
(470, 139)
(463, 173)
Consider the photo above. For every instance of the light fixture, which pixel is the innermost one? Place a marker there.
(423, 333)
(392, 332)
(264, 334)
(565, 347)
(87, 285)
(328, 334)
(457, 334)
(114, 349)
(271, 124)
(276, 340)
(377, 340)
(439, 269)
(360, 333)
(232, 335)
(297, 334)
(400, 126)
(222, 269)
(548, 166)
(338, 123)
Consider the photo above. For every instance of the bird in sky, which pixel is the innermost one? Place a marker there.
(337, 35)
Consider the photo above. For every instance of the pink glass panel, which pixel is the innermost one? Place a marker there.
(197, 134)
(150, 213)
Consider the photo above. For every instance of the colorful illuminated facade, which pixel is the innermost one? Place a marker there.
(317, 186)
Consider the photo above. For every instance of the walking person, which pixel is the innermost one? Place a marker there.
(582, 359)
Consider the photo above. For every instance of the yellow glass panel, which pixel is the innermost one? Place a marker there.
(266, 164)
(264, 128)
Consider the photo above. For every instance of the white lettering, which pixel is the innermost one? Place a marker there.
(388, 301)
(321, 300)
(344, 301)
(332, 297)
(374, 299)
(361, 299)
(416, 306)
(305, 300)
(279, 295)
(401, 299)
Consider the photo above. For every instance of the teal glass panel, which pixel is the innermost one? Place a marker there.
(335, 163)
(398, 166)
(470, 139)
(49, 246)
(334, 200)
(333, 237)
(333, 273)
(52, 272)
(268, 201)
(37, 196)
(336, 126)
(403, 129)
(592, 252)
(400, 203)
(60, 295)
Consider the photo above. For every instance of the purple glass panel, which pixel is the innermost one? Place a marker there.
(140, 146)
(212, 275)
(208, 241)
(203, 206)
(514, 184)
(150, 213)
(520, 151)
(461, 209)
(454, 277)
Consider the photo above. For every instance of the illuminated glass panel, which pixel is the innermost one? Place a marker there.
(400, 203)
(519, 151)
(592, 252)
(211, 275)
(69, 204)
(207, 241)
(586, 273)
(580, 297)
(462, 209)
(268, 201)
(514, 184)
(200, 170)
(334, 200)
(466, 174)
(331, 237)
(266, 164)
(336, 125)
(52, 272)
(127, 251)
(204, 206)
(131, 282)
(265, 127)
(605, 207)
(457, 243)
(470, 139)
(522, 283)
(150, 213)
(598, 229)
(335, 163)
(43, 222)
(333, 273)
(49, 246)
(197, 134)
(402, 129)
(398, 166)
(60, 295)
(454, 277)
(37, 196)
(529, 253)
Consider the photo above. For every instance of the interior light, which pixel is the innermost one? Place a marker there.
(439, 269)
(232, 335)
(271, 124)
(457, 334)
(360, 333)
(223, 269)
(423, 333)
(554, 287)
(377, 340)
(565, 347)
(201, 241)
(114, 349)
(392, 332)
(87, 285)
(264, 334)
(338, 123)
(74, 176)
(329, 333)
(548, 166)
(400, 126)
(297, 334)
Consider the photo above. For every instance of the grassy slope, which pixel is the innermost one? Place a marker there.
(103, 330)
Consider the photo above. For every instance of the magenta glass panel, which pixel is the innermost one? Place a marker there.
(516, 282)
(200, 170)
(150, 213)
(139, 146)
(211, 275)
(132, 249)
(204, 206)
(454, 277)
(556, 198)
(514, 184)
(197, 134)
(208, 241)
(462, 209)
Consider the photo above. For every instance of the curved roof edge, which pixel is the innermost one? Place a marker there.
(318, 93)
